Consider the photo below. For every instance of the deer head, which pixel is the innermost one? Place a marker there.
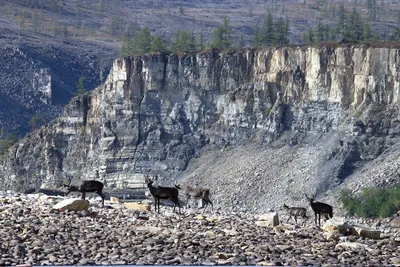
(178, 186)
(310, 199)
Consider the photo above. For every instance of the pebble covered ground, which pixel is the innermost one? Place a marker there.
(32, 233)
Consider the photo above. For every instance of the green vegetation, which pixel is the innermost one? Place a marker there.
(222, 37)
(184, 42)
(138, 45)
(272, 32)
(6, 141)
(80, 86)
(36, 121)
(373, 202)
(268, 111)
(332, 21)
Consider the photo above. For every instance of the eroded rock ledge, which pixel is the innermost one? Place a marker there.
(156, 112)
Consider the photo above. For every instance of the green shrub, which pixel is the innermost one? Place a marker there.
(268, 111)
(6, 142)
(372, 202)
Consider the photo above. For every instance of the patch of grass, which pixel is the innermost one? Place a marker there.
(358, 113)
(372, 202)
(268, 111)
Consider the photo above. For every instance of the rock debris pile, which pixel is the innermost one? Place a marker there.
(33, 233)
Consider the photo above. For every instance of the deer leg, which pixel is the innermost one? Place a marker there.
(158, 205)
(206, 204)
(179, 205)
(83, 195)
(187, 201)
(295, 219)
(208, 201)
(315, 215)
(100, 193)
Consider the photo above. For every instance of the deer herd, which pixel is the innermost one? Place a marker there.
(192, 192)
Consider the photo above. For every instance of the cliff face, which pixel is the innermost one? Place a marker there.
(155, 113)
(41, 79)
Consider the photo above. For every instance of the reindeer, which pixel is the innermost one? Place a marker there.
(295, 211)
(87, 186)
(160, 192)
(197, 192)
(319, 209)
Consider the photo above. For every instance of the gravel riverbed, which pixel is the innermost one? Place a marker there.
(32, 233)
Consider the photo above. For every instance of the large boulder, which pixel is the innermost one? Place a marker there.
(366, 232)
(270, 219)
(137, 206)
(72, 205)
(337, 225)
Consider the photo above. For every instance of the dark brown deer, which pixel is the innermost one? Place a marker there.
(87, 187)
(197, 192)
(295, 211)
(319, 209)
(161, 192)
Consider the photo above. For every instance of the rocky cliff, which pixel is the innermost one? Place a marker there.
(280, 122)
(40, 78)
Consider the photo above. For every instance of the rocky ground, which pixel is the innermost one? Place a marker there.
(33, 233)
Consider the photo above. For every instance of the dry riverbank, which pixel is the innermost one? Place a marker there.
(33, 234)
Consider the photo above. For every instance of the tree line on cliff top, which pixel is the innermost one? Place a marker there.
(350, 27)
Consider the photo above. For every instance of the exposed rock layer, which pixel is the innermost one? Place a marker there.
(329, 111)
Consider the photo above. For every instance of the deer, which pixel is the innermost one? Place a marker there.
(161, 192)
(295, 211)
(87, 187)
(319, 209)
(197, 192)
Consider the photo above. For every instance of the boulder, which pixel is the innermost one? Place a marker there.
(137, 206)
(336, 224)
(270, 219)
(351, 246)
(395, 222)
(366, 232)
(115, 200)
(72, 205)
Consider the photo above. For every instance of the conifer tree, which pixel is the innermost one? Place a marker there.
(80, 86)
(355, 26)
(142, 42)
(367, 33)
(222, 37)
(257, 41)
(267, 33)
(201, 41)
(158, 45)
(183, 42)
(320, 33)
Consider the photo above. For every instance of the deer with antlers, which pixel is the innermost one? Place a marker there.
(160, 192)
(319, 209)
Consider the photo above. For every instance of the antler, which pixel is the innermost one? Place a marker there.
(147, 178)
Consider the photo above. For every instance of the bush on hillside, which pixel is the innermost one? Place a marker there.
(372, 202)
